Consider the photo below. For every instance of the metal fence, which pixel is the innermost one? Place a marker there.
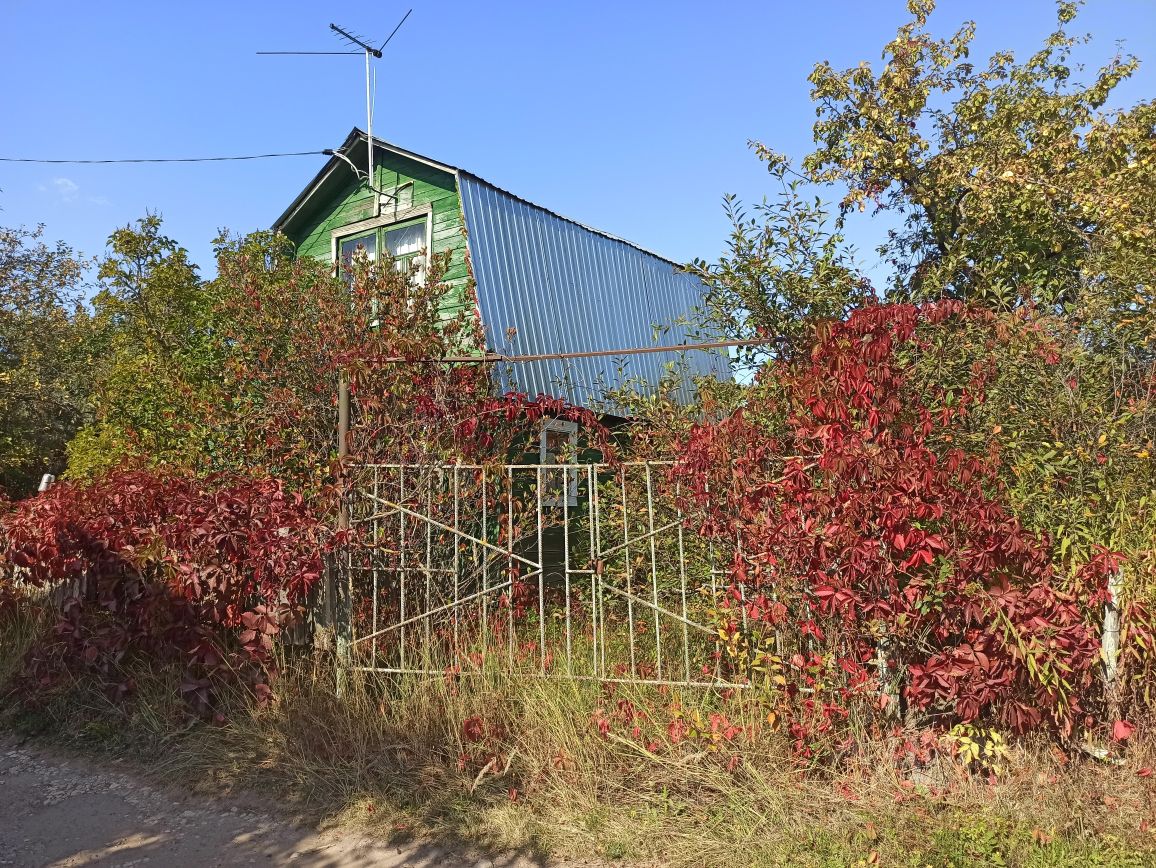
(559, 570)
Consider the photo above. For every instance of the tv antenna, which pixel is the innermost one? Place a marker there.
(361, 46)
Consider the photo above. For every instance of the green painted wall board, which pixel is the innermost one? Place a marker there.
(313, 230)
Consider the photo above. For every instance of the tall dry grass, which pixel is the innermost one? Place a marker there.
(403, 756)
(22, 621)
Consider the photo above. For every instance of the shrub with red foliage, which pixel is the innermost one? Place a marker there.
(9, 596)
(292, 330)
(172, 563)
(205, 571)
(888, 558)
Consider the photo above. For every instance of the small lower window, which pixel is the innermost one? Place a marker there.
(559, 445)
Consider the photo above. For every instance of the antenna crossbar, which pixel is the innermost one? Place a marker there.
(405, 16)
(342, 53)
(360, 43)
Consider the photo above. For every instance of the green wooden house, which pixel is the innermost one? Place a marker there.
(544, 284)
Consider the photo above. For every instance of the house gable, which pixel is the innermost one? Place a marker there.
(338, 205)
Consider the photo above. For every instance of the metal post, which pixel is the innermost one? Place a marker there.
(369, 180)
(457, 560)
(402, 573)
(654, 572)
(591, 505)
(429, 565)
(334, 584)
(485, 575)
(510, 563)
(541, 581)
(596, 584)
(1110, 640)
(373, 553)
(566, 562)
(626, 572)
(682, 583)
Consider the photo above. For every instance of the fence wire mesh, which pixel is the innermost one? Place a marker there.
(555, 570)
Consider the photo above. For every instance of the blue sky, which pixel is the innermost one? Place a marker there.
(629, 116)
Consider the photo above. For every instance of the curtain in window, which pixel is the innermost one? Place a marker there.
(405, 240)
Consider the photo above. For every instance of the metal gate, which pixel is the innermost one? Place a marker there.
(562, 570)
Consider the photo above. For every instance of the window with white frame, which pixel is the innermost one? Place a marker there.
(349, 248)
(559, 445)
(403, 242)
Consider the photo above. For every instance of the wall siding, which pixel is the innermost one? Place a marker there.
(353, 203)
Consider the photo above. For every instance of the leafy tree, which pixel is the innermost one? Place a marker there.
(1020, 189)
(156, 353)
(1017, 190)
(786, 266)
(240, 373)
(1013, 180)
(44, 329)
(1070, 428)
(290, 328)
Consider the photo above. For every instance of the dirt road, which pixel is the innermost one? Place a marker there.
(65, 812)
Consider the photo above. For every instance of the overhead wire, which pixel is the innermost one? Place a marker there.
(168, 159)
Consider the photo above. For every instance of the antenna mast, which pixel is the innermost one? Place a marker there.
(370, 53)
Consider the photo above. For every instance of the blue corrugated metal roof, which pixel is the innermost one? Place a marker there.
(561, 287)
(564, 287)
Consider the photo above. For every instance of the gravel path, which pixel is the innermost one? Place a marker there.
(66, 812)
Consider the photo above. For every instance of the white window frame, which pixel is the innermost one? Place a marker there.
(545, 456)
(379, 225)
(362, 227)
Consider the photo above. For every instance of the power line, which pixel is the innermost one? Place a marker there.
(168, 159)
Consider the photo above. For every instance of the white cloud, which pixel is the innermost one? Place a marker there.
(65, 188)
